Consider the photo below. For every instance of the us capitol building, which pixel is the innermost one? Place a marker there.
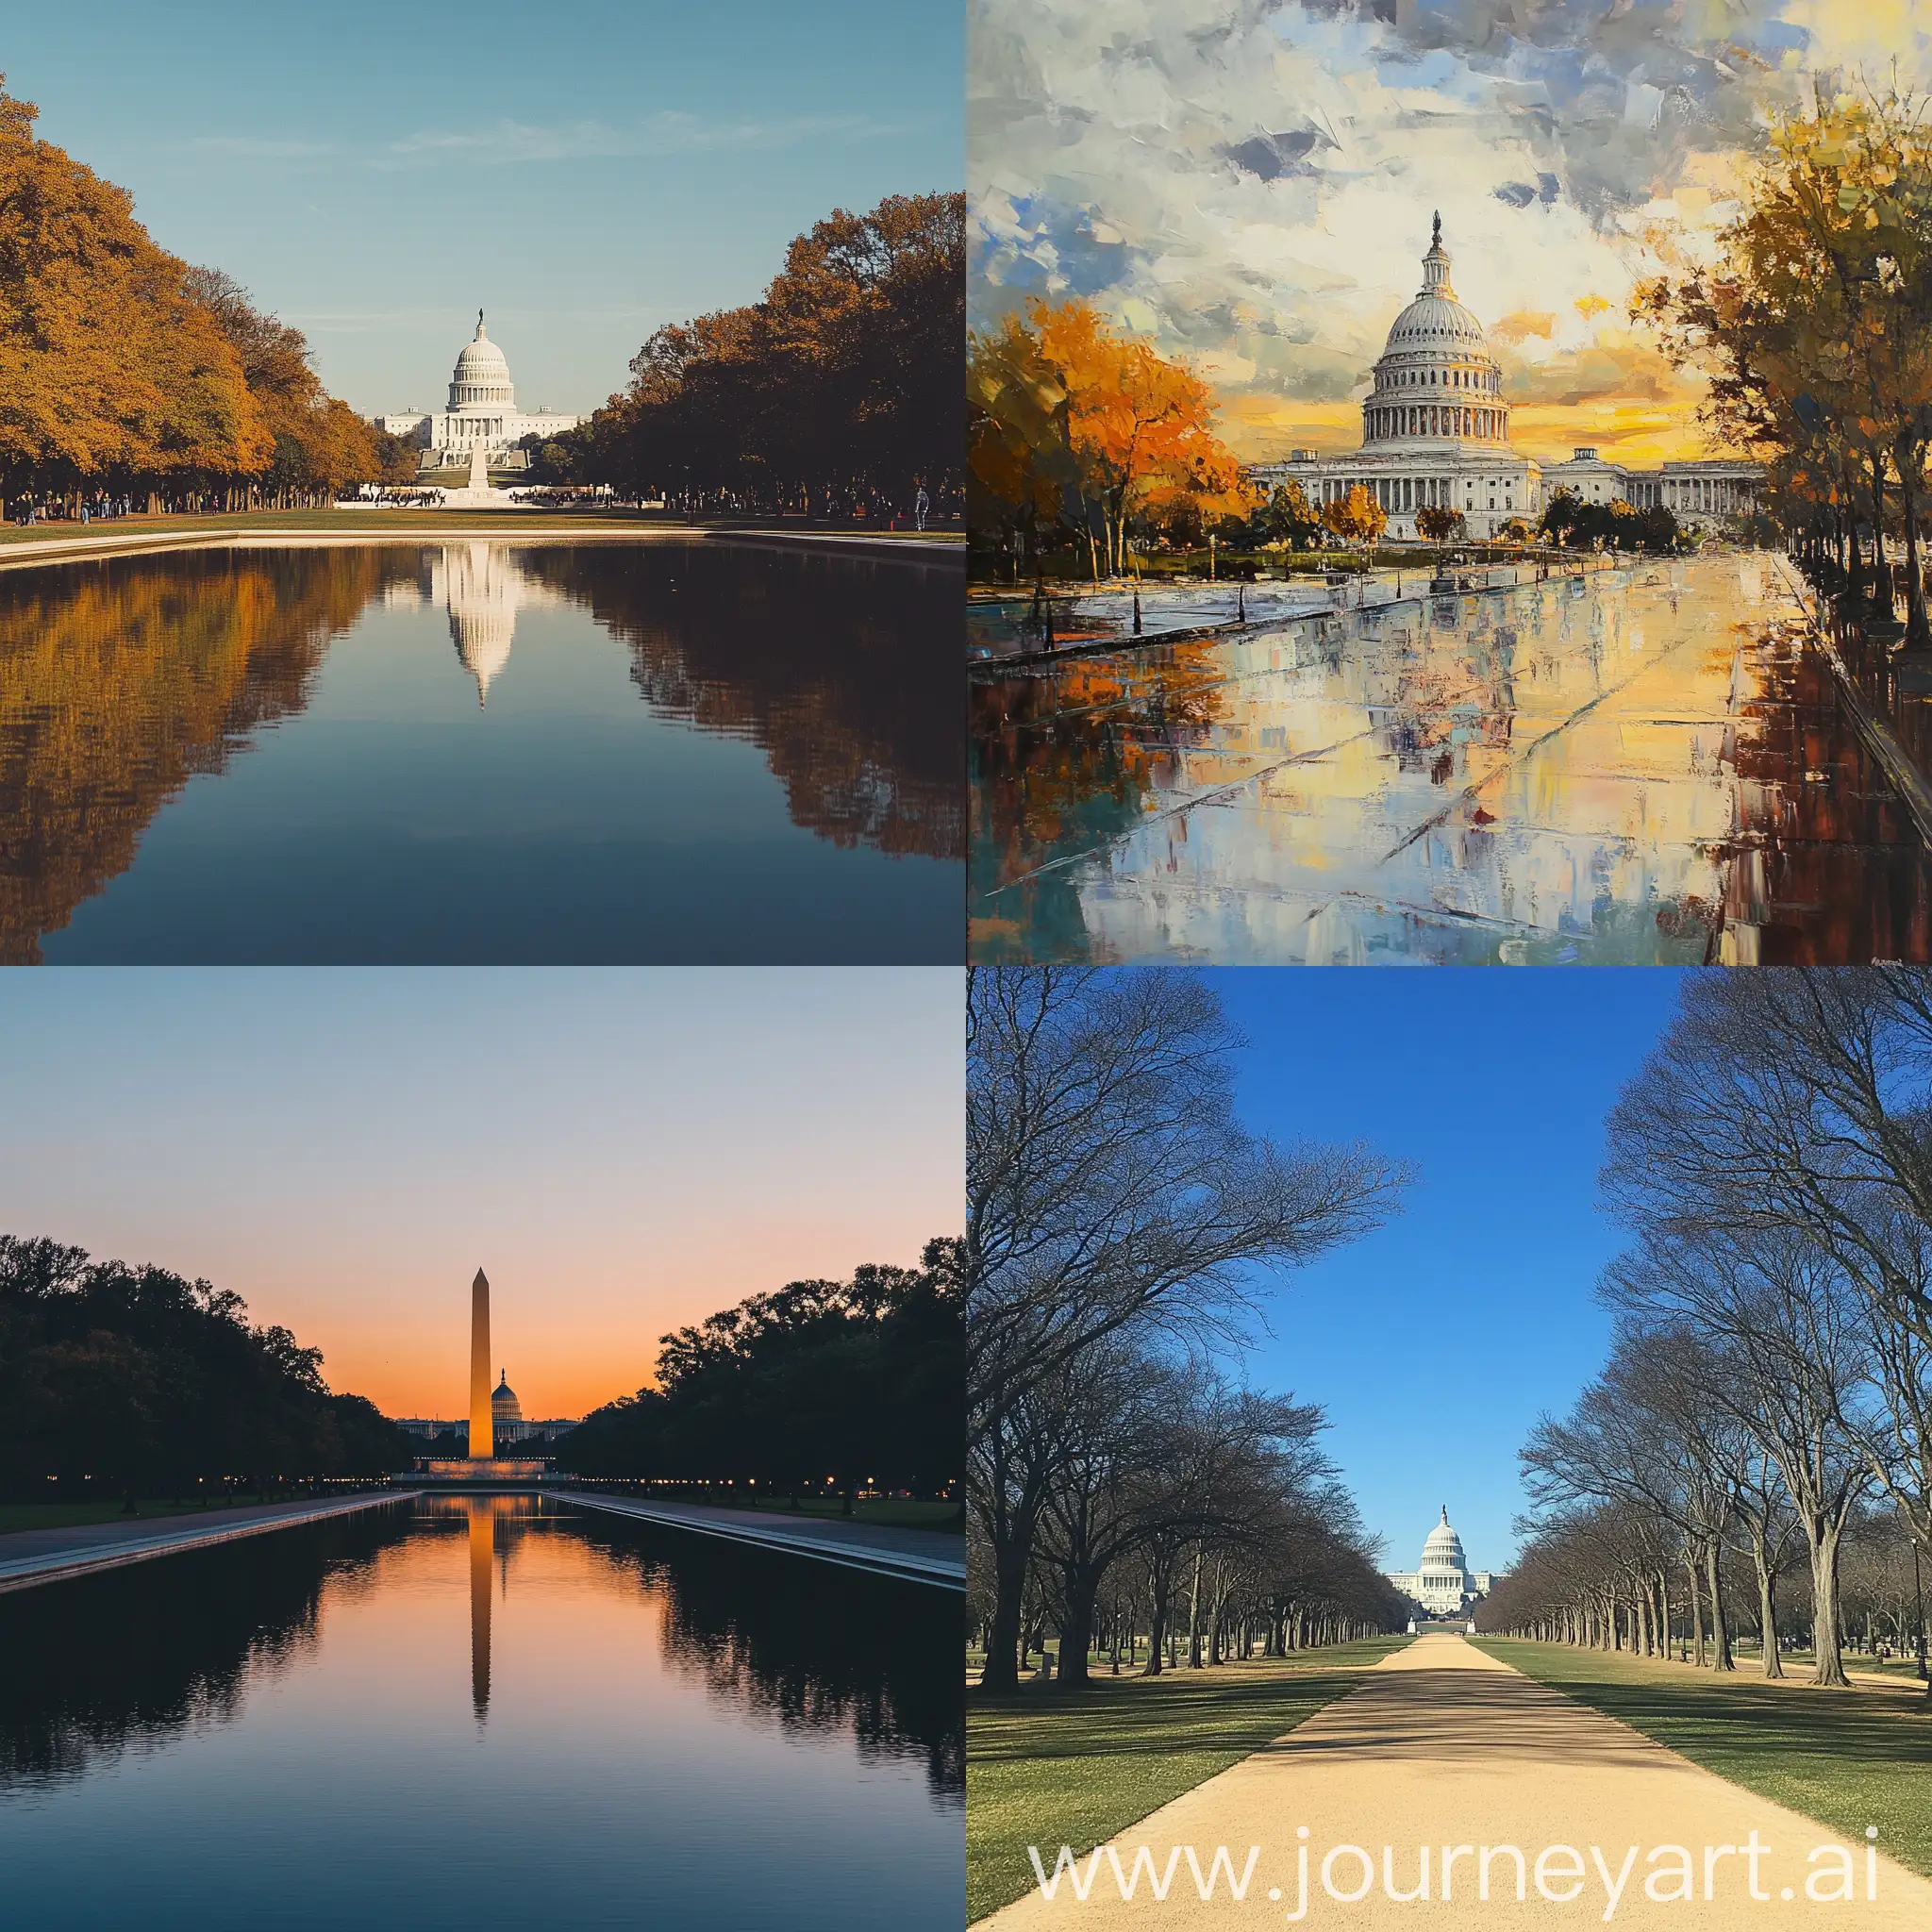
(1442, 1583)
(1436, 430)
(482, 414)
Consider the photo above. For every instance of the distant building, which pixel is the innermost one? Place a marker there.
(482, 414)
(505, 1415)
(1436, 431)
(1442, 1583)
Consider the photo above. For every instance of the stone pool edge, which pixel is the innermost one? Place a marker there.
(82, 1560)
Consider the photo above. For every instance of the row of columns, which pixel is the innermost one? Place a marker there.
(1437, 419)
(1396, 494)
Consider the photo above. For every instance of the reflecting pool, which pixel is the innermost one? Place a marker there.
(1647, 765)
(477, 1710)
(583, 752)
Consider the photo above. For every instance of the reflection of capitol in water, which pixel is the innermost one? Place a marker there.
(482, 586)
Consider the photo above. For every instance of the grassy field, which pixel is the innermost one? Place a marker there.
(1048, 1768)
(1848, 1758)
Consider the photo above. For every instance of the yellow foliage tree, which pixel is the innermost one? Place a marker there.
(1139, 428)
(1815, 324)
(1356, 517)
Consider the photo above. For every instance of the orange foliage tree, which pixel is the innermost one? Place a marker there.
(1060, 395)
(1356, 517)
(121, 369)
(838, 393)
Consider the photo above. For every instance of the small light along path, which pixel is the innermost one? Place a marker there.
(912, 1555)
(30, 1557)
(1443, 1745)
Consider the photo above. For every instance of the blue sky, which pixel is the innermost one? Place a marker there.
(1434, 1343)
(374, 172)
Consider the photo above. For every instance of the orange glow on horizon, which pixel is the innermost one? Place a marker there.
(1641, 431)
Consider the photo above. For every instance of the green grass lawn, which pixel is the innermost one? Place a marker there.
(1848, 1758)
(1048, 1768)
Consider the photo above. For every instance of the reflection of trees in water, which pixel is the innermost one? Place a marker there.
(844, 673)
(1828, 872)
(1065, 760)
(128, 1658)
(816, 1646)
(120, 679)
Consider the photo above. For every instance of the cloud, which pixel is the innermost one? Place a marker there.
(506, 142)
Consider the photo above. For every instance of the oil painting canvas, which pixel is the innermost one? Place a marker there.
(1446, 482)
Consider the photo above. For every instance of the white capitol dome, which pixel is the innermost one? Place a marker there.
(1443, 1548)
(1435, 436)
(482, 374)
(1436, 385)
(1436, 320)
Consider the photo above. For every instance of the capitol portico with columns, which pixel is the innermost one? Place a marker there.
(482, 414)
(1436, 431)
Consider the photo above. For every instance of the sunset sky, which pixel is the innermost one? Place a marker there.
(622, 1151)
(1251, 183)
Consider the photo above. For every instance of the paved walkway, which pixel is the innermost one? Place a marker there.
(1444, 1746)
(913, 1555)
(29, 1556)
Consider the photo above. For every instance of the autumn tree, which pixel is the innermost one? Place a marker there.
(1814, 323)
(1438, 521)
(1139, 426)
(838, 393)
(122, 368)
(1020, 464)
(1356, 517)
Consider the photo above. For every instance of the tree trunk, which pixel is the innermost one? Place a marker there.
(1917, 634)
(1767, 1617)
(1076, 1630)
(1828, 1667)
(1721, 1658)
(1002, 1670)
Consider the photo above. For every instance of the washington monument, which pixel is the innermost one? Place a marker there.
(482, 1426)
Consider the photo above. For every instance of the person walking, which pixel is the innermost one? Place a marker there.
(921, 504)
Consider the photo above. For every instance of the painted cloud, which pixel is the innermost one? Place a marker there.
(1251, 181)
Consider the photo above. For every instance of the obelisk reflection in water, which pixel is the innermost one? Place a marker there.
(482, 1548)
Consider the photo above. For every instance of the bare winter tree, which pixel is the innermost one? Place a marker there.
(1108, 1177)
(1782, 1351)
(1644, 1435)
(1113, 1195)
(1799, 1104)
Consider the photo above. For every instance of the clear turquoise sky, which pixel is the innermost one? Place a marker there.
(1434, 1343)
(374, 172)
(622, 1151)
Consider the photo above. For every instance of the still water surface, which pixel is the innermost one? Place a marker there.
(1641, 766)
(590, 752)
(482, 1710)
